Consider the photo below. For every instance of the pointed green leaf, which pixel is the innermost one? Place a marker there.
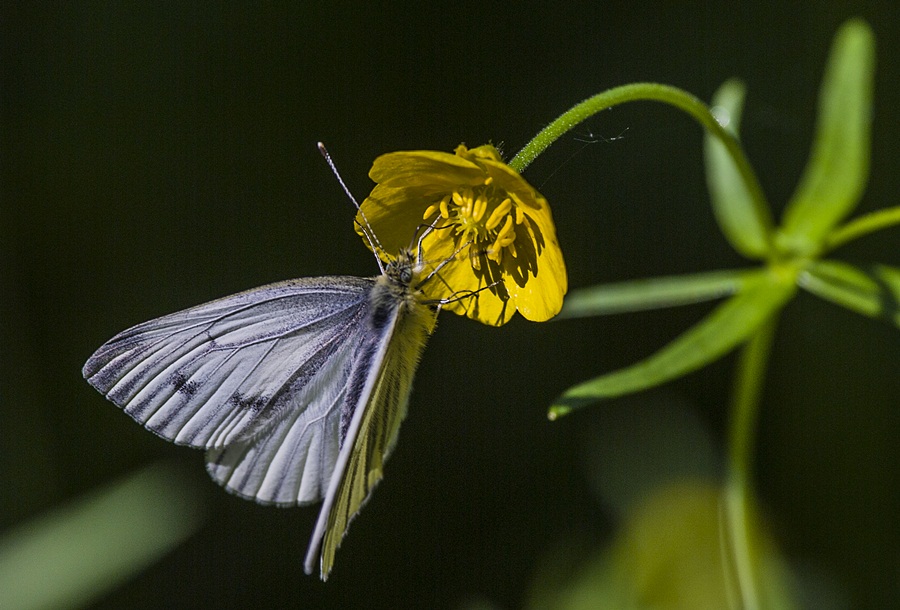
(875, 293)
(656, 293)
(863, 225)
(747, 230)
(726, 327)
(838, 168)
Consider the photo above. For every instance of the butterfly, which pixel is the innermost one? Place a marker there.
(296, 390)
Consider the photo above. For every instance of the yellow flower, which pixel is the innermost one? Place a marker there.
(491, 228)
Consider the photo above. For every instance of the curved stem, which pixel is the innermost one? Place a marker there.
(648, 92)
(863, 225)
(739, 500)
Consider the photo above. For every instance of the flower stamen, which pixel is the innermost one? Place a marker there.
(497, 215)
(480, 208)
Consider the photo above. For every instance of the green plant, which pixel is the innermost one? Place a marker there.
(791, 256)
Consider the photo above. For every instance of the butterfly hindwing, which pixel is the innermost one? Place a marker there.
(291, 463)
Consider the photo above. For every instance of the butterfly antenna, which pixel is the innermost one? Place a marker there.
(366, 228)
(418, 241)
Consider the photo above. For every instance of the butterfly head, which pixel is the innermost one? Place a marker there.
(404, 270)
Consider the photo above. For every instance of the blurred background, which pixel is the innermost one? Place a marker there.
(159, 155)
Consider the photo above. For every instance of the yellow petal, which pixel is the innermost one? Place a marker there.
(541, 297)
(457, 281)
(392, 218)
(425, 168)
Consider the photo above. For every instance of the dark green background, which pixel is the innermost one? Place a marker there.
(158, 155)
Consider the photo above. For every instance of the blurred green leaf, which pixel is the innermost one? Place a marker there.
(76, 553)
(863, 225)
(668, 554)
(740, 220)
(891, 278)
(875, 293)
(838, 168)
(721, 331)
(655, 293)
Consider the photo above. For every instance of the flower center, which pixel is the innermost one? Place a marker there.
(483, 216)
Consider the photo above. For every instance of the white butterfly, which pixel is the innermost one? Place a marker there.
(296, 390)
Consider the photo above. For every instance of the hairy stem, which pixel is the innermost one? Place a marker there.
(648, 92)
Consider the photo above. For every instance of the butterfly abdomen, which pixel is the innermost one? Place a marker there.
(400, 321)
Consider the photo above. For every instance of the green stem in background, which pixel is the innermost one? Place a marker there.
(647, 92)
(740, 520)
(862, 226)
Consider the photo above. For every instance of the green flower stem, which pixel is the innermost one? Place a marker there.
(740, 522)
(862, 226)
(648, 92)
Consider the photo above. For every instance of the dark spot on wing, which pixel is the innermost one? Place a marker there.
(184, 385)
(248, 403)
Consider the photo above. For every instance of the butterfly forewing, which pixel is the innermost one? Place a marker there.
(229, 370)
